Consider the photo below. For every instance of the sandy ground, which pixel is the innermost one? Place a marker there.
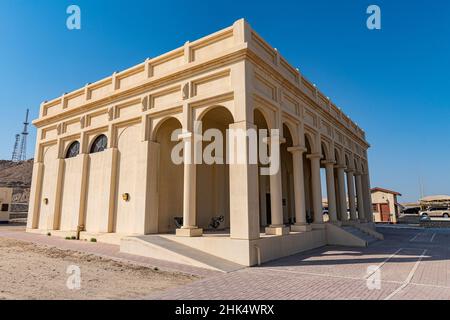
(29, 271)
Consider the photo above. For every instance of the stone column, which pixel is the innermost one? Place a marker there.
(35, 196)
(299, 190)
(277, 226)
(244, 197)
(360, 198)
(58, 194)
(351, 194)
(341, 192)
(367, 197)
(189, 228)
(316, 190)
(331, 193)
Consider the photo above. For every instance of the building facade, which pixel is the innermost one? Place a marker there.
(103, 154)
(385, 205)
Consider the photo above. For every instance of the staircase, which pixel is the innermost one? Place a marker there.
(360, 234)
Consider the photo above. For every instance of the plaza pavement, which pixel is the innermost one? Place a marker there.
(411, 263)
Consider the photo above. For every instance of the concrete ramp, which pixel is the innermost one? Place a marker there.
(348, 236)
(158, 247)
(370, 230)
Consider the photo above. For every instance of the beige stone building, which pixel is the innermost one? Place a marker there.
(5, 203)
(103, 157)
(385, 205)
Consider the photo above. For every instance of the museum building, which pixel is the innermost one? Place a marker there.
(103, 164)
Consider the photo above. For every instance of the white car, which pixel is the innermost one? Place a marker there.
(436, 212)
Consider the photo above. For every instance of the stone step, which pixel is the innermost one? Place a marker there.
(360, 234)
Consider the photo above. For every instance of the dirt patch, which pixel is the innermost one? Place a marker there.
(29, 271)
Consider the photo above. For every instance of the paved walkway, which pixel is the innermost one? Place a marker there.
(101, 249)
(409, 264)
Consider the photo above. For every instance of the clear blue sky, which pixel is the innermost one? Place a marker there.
(394, 83)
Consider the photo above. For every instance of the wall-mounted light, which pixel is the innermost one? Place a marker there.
(45, 201)
(126, 197)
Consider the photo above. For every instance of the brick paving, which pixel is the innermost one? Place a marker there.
(411, 263)
(418, 269)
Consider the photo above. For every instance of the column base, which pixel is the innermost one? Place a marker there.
(352, 221)
(301, 228)
(189, 232)
(277, 230)
(336, 223)
(318, 225)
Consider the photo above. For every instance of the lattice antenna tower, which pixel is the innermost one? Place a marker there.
(15, 154)
(23, 145)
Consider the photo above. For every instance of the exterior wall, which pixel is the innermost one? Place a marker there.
(48, 193)
(133, 188)
(100, 184)
(71, 193)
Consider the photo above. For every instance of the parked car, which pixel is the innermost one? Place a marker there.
(411, 210)
(424, 218)
(436, 212)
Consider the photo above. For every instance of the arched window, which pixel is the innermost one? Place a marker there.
(74, 150)
(100, 144)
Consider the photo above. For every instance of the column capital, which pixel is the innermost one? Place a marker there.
(358, 173)
(328, 162)
(242, 124)
(314, 156)
(350, 170)
(188, 136)
(340, 166)
(268, 140)
(297, 149)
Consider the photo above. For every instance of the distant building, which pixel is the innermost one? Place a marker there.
(5, 203)
(385, 205)
(15, 177)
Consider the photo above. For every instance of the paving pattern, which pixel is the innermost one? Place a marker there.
(409, 264)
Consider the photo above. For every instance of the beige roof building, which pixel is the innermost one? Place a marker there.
(5, 203)
(385, 205)
(104, 164)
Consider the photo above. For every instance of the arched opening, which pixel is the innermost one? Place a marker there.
(357, 190)
(308, 180)
(347, 179)
(324, 182)
(263, 180)
(339, 212)
(212, 176)
(73, 150)
(287, 178)
(100, 144)
(170, 178)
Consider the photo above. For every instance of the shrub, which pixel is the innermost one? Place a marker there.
(93, 240)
